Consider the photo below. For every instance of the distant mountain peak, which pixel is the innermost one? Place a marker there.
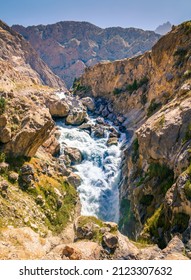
(68, 47)
(163, 28)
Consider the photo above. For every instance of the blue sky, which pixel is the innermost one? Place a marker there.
(146, 14)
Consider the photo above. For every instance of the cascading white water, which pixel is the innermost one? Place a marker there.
(99, 171)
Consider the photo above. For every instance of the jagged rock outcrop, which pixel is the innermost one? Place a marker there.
(25, 130)
(57, 107)
(69, 47)
(20, 65)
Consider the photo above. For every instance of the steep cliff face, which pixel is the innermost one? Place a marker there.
(69, 47)
(20, 64)
(152, 92)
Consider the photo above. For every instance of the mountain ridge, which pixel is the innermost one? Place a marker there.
(69, 47)
(24, 63)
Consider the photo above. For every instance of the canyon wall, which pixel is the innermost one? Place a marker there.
(21, 67)
(152, 93)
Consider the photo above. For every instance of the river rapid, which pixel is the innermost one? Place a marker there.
(100, 170)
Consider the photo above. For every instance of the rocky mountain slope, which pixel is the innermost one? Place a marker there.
(20, 65)
(150, 96)
(39, 204)
(69, 47)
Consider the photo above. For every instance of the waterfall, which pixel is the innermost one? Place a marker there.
(99, 171)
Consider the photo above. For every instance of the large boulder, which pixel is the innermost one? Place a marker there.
(98, 131)
(74, 154)
(76, 117)
(74, 180)
(110, 240)
(3, 121)
(5, 135)
(89, 103)
(35, 130)
(52, 144)
(57, 107)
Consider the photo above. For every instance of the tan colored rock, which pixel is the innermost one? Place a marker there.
(161, 136)
(110, 240)
(35, 130)
(76, 117)
(89, 103)
(5, 136)
(57, 107)
(74, 179)
(74, 154)
(3, 120)
(13, 177)
(52, 145)
(20, 65)
(4, 167)
(112, 141)
(22, 244)
(72, 49)
(71, 253)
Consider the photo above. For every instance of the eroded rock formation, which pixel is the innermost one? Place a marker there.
(69, 47)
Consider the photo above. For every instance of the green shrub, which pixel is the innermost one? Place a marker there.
(180, 222)
(77, 87)
(152, 223)
(137, 84)
(117, 91)
(143, 98)
(187, 190)
(135, 151)
(132, 87)
(187, 74)
(146, 199)
(153, 107)
(187, 135)
(164, 176)
(180, 55)
(160, 171)
(125, 210)
(2, 157)
(2, 105)
(180, 52)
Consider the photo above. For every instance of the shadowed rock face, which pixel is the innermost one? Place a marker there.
(20, 64)
(69, 47)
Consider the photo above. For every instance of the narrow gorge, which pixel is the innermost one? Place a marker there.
(100, 171)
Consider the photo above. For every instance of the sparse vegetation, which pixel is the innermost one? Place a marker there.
(187, 74)
(135, 151)
(146, 199)
(2, 157)
(77, 87)
(117, 91)
(187, 189)
(187, 136)
(187, 27)
(163, 174)
(137, 84)
(2, 105)
(95, 224)
(153, 107)
(180, 55)
(153, 223)
(180, 222)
